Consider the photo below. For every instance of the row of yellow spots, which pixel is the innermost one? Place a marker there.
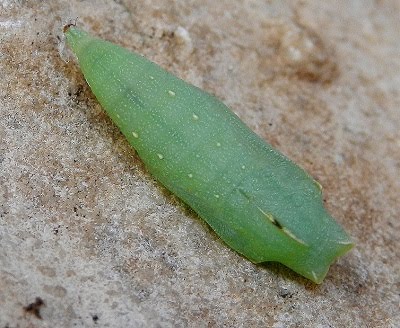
(195, 117)
(160, 156)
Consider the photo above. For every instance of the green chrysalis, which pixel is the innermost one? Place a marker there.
(258, 201)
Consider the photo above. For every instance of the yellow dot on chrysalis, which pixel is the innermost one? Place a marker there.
(160, 156)
(135, 134)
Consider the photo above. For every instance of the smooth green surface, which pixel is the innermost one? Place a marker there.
(259, 202)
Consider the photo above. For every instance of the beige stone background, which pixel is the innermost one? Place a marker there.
(87, 230)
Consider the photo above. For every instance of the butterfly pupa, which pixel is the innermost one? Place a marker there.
(259, 202)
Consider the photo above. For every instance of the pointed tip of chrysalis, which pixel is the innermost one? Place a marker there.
(337, 248)
(75, 36)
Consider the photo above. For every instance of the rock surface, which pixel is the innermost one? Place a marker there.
(88, 238)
